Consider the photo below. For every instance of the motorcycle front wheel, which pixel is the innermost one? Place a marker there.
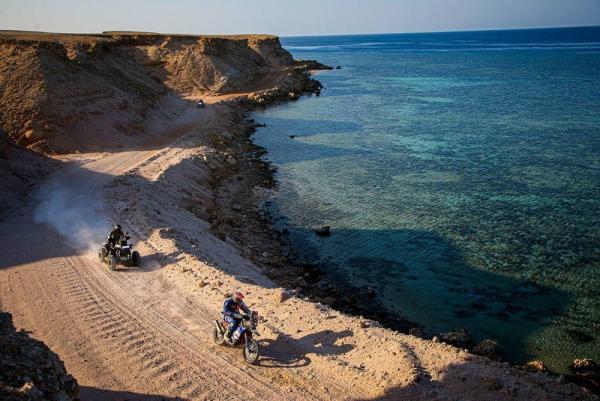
(251, 351)
(112, 262)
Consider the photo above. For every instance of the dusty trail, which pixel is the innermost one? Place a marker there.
(124, 333)
(144, 333)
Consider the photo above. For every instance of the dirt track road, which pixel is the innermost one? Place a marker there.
(145, 333)
(127, 334)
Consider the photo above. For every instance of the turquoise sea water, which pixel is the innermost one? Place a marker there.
(460, 173)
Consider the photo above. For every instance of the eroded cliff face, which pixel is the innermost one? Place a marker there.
(60, 92)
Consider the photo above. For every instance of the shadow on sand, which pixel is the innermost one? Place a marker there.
(466, 381)
(287, 352)
(99, 394)
(474, 382)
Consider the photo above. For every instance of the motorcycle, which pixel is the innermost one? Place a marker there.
(121, 252)
(242, 335)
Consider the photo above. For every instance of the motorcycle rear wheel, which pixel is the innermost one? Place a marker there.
(218, 337)
(251, 351)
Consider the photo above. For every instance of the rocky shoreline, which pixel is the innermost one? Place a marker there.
(202, 178)
(241, 185)
(239, 211)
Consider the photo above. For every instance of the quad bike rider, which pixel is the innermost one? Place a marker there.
(116, 249)
(237, 328)
(114, 236)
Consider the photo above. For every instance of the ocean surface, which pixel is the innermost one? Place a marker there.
(460, 173)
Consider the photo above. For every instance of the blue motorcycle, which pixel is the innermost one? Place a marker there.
(243, 335)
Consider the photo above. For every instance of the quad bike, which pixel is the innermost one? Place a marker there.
(241, 336)
(119, 253)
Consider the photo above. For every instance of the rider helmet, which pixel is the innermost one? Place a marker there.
(238, 296)
(117, 227)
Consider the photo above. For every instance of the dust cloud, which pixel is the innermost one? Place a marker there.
(72, 203)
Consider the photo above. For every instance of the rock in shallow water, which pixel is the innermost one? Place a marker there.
(486, 348)
(584, 365)
(324, 231)
(457, 337)
(535, 366)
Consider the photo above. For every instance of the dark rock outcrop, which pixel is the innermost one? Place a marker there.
(416, 332)
(487, 348)
(29, 370)
(586, 373)
(311, 65)
(457, 337)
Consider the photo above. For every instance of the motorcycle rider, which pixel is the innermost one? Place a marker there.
(114, 236)
(231, 313)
